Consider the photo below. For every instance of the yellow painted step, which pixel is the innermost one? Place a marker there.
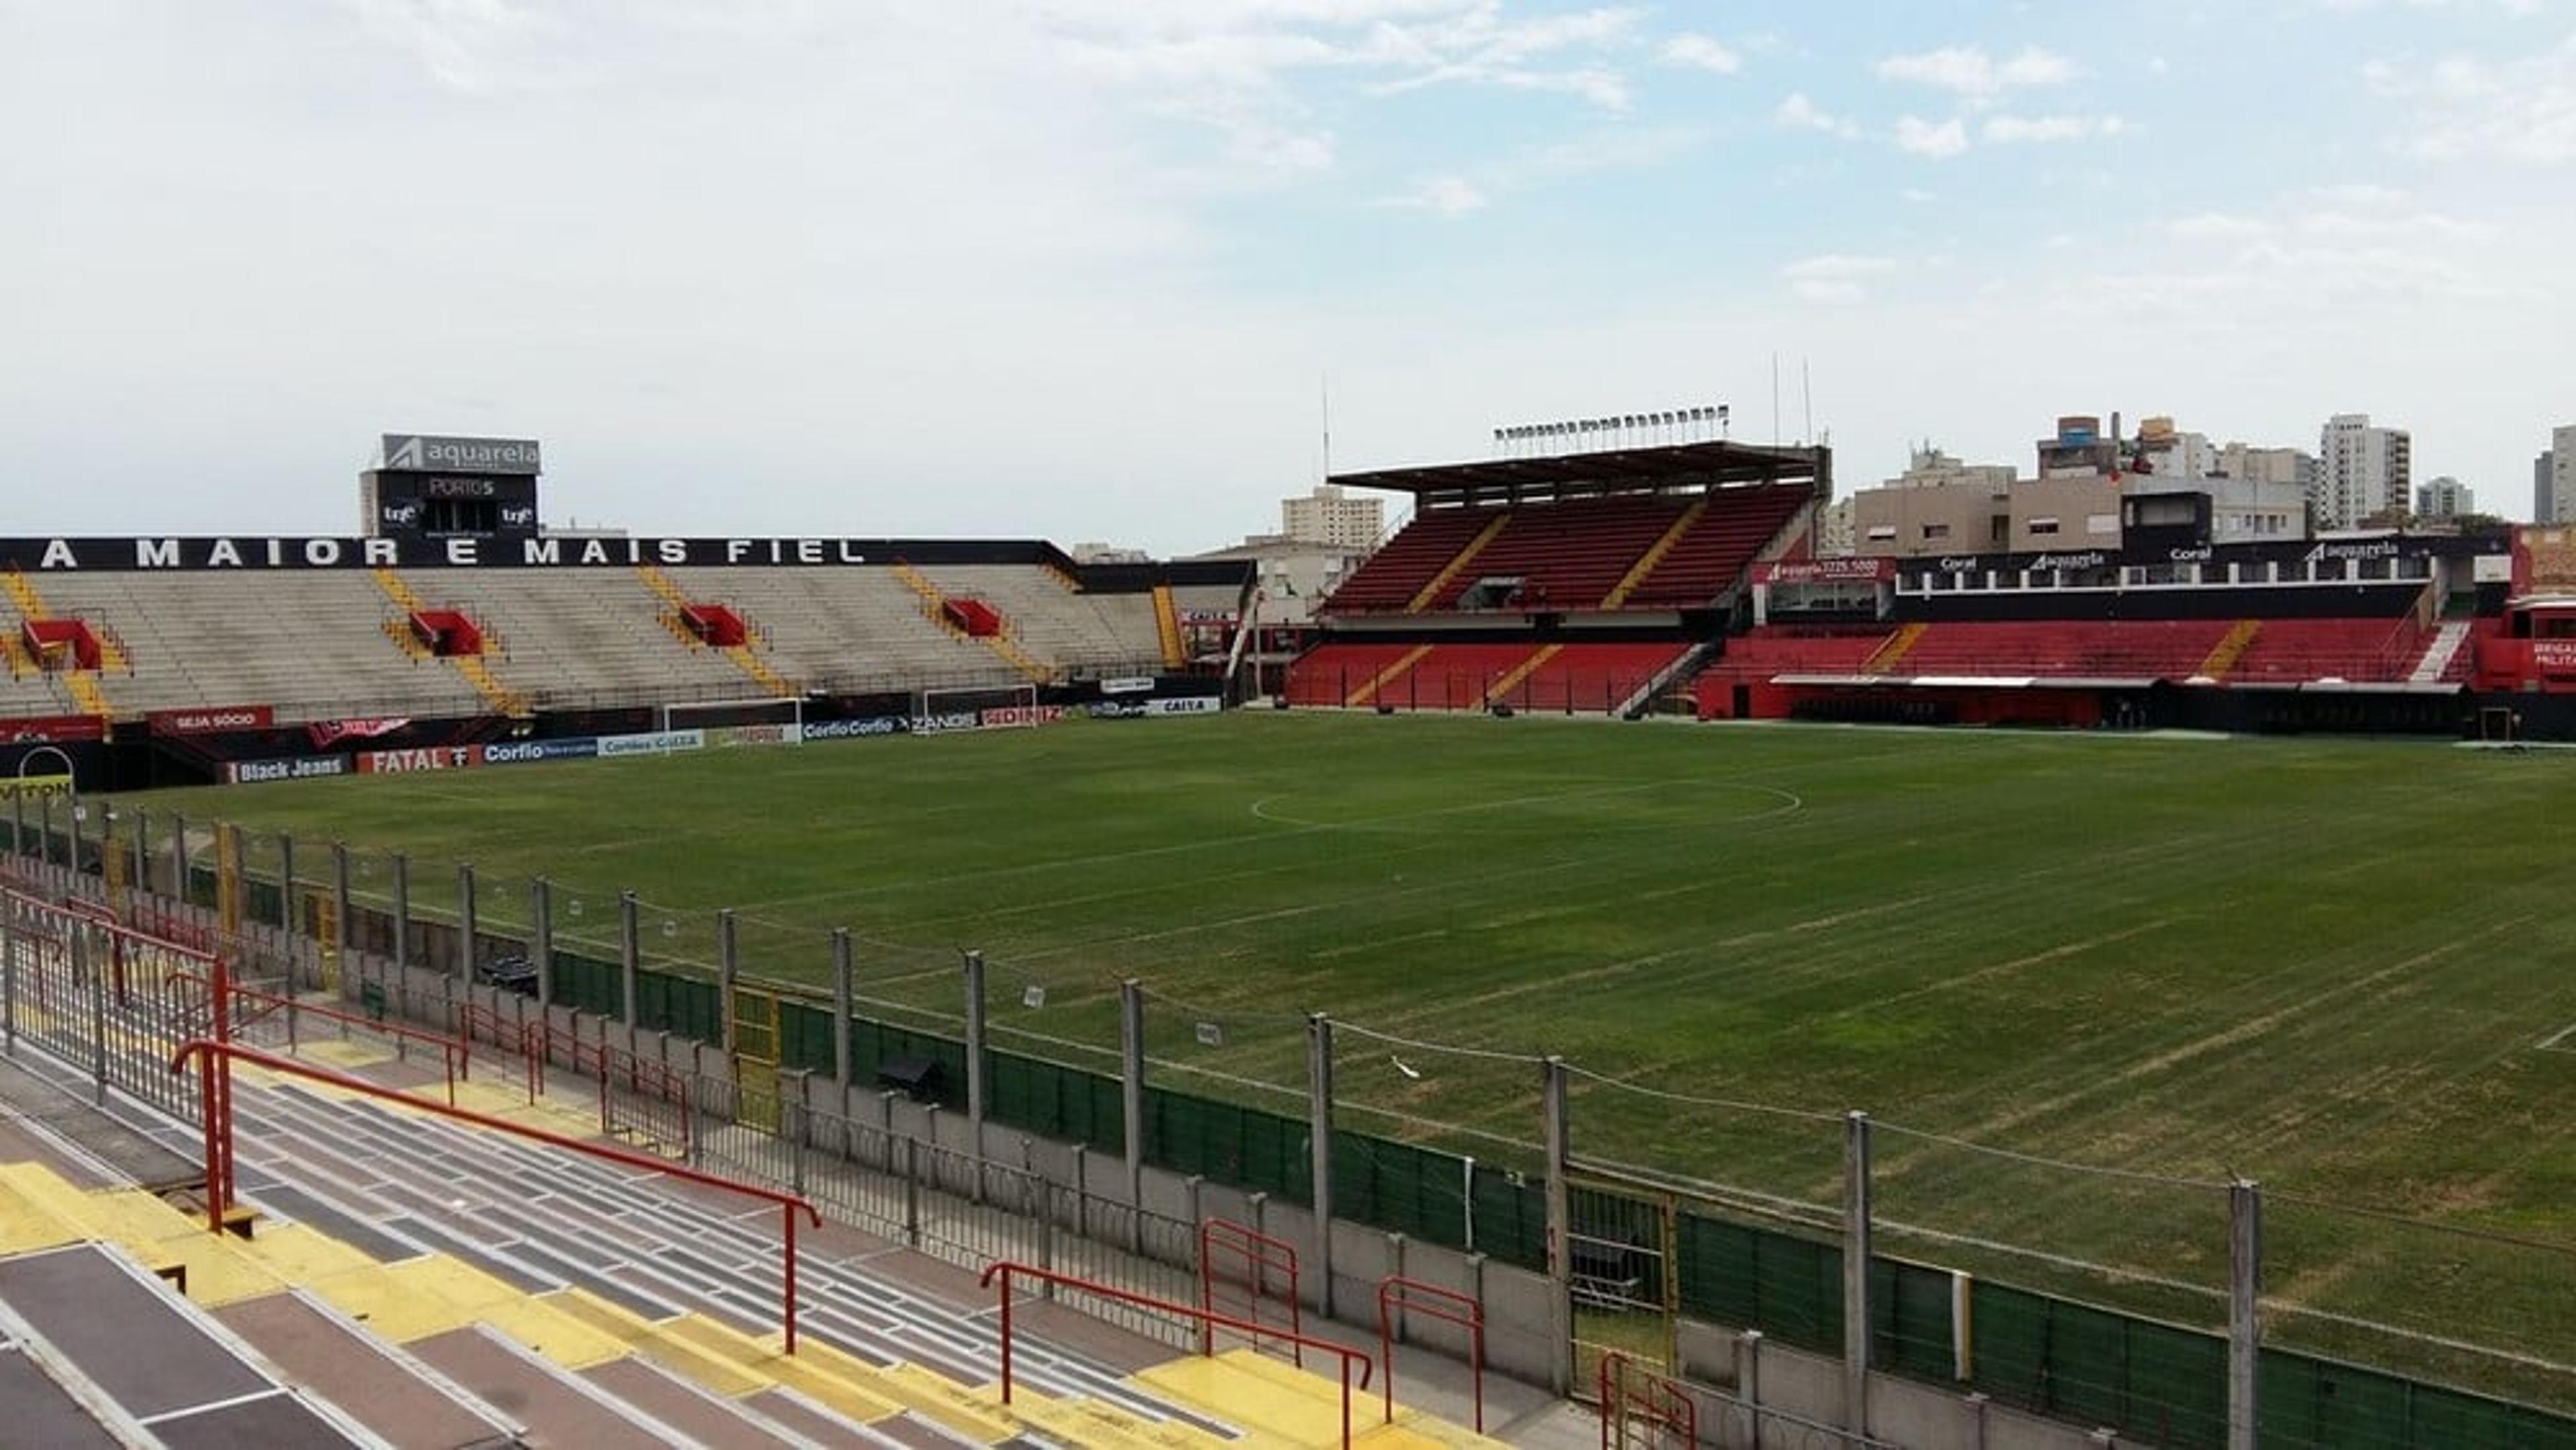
(760, 672)
(86, 693)
(27, 1220)
(662, 584)
(1422, 597)
(925, 1392)
(1275, 1400)
(2230, 649)
(1884, 658)
(694, 1362)
(1638, 571)
(485, 683)
(1091, 1423)
(811, 1379)
(1167, 628)
(431, 1295)
(1512, 677)
(1387, 676)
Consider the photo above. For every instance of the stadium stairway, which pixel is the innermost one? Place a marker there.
(744, 657)
(1458, 563)
(1886, 656)
(1167, 628)
(1654, 555)
(934, 608)
(471, 667)
(414, 1273)
(2442, 651)
(2230, 648)
(1368, 689)
(1502, 688)
(88, 696)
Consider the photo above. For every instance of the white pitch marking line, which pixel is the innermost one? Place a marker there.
(2550, 1043)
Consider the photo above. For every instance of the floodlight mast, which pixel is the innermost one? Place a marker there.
(1698, 423)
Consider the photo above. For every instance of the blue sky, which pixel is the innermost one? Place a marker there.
(1083, 268)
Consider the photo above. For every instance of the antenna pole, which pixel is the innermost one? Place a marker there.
(1327, 388)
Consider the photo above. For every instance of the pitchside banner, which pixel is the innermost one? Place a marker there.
(299, 767)
(206, 722)
(34, 787)
(659, 742)
(520, 752)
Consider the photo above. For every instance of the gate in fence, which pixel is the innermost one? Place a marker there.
(1621, 1237)
(754, 1015)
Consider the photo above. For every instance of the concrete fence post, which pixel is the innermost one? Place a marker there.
(1856, 1253)
(2244, 1311)
(1560, 1229)
(469, 927)
(343, 909)
(844, 988)
(402, 914)
(976, 1043)
(1319, 1132)
(630, 965)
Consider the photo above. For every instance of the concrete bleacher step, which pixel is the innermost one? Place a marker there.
(700, 1413)
(1288, 1406)
(382, 1386)
(556, 1406)
(146, 1365)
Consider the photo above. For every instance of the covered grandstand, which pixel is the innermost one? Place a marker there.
(1579, 582)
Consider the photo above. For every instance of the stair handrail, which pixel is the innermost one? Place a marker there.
(1005, 1270)
(217, 1058)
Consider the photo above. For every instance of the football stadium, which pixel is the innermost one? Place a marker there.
(1609, 967)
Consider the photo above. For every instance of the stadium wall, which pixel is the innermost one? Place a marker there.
(1399, 1208)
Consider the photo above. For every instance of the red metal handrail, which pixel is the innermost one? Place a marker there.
(216, 1059)
(1462, 1310)
(456, 1054)
(1661, 1402)
(1207, 1320)
(651, 1079)
(1260, 1253)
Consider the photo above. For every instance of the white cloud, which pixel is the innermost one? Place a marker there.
(1702, 53)
(1969, 73)
(2520, 110)
(1475, 45)
(2210, 226)
(2357, 193)
(1916, 195)
(1924, 138)
(1242, 67)
(1447, 195)
(1797, 113)
(1835, 277)
(2009, 129)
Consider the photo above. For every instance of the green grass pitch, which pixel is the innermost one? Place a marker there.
(2330, 966)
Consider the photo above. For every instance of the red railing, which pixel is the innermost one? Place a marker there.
(504, 1034)
(537, 1041)
(652, 1080)
(1657, 1401)
(1208, 1322)
(1395, 1292)
(1261, 1255)
(215, 1060)
(455, 1054)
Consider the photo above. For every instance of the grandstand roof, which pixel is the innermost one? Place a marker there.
(1610, 471)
